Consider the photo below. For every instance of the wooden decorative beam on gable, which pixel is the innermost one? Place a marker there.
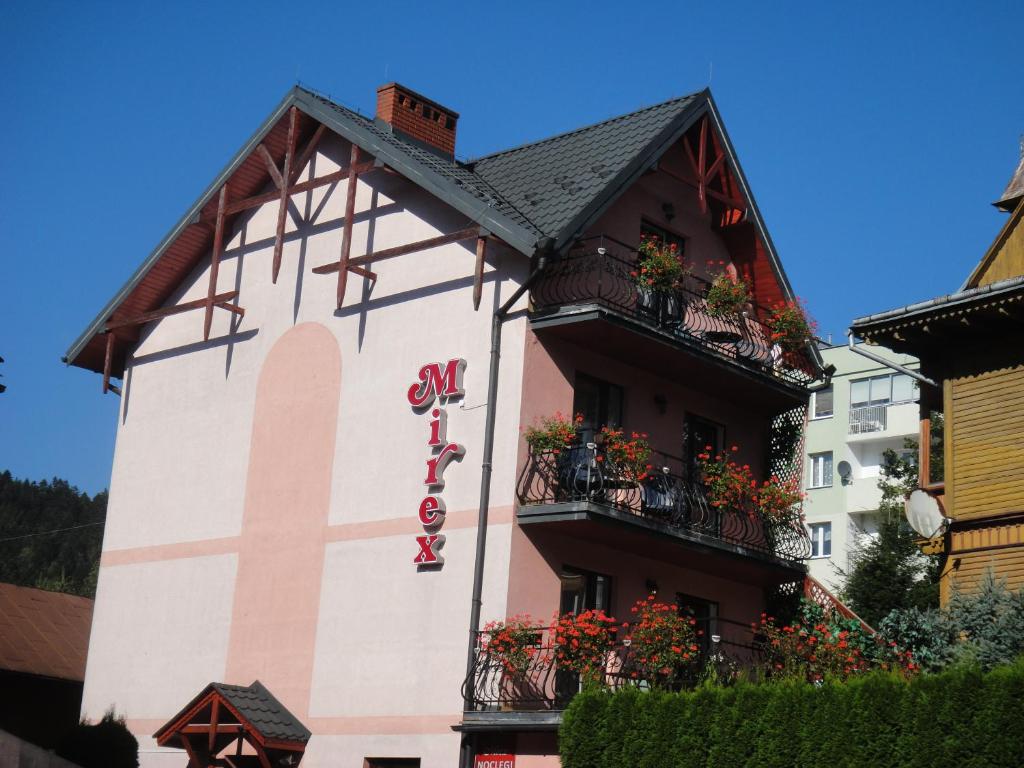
(350, 212)
(703, 173)
(286, 172)
(355, 264)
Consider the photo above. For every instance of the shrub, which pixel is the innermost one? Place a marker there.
(107, 744)
(958, 718)
(662, 643)
(582, 642)
(629, 455)
(789, 326)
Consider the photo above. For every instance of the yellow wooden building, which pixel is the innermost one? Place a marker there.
(971, 345)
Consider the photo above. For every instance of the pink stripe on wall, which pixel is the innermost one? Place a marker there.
(287, 498)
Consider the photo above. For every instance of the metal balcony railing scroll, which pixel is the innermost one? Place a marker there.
(584, 473)
(726, 648)
(868, 418)
(593, 274)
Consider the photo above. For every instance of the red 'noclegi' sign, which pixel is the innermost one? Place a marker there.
(495, 761)
(440, 382)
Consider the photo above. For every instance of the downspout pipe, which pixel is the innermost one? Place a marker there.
(544, 248)
(888, 363)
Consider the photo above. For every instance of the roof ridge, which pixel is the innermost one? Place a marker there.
(587, 127)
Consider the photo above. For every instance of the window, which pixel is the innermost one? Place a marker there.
(699, 433)
(663, 235)
(821, 470)
(822, 407)
(705, 612)
(585, 590)
(882, 390)
(821, 539)
(600, 404)
(391, 762)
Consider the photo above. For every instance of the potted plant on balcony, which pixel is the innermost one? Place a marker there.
(659, 274)
(583, 642)
(730, 485)
(662, 643)
(789, 326)
(554, 434)
(626, 459)
(728, 296)
(513, 644)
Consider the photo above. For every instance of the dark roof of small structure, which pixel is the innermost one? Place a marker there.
(256, 705)
(44, 633)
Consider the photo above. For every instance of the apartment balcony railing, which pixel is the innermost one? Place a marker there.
(726, 649)
(593, 274)
(868, 418)
(584, 474)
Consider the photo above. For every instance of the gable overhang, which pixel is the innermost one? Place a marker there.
(703, 104)
(994, 250)
(512, 233)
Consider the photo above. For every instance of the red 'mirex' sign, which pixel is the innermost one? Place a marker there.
(436, 381)
(495, 761)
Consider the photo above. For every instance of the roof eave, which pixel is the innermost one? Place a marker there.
(191, 214)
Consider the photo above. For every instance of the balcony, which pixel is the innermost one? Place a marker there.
(581, 483)
(869, 418)
(593, 279)
(535, 696)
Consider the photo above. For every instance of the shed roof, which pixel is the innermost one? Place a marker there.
(44, 633)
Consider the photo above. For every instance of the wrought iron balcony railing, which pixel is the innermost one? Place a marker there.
(593, 274)
(584, 474)
(726, 648)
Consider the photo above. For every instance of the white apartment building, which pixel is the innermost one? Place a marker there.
(868, 409)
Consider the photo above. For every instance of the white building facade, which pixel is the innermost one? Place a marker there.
(868, 409)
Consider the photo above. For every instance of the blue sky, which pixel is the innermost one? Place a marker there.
(874, 136)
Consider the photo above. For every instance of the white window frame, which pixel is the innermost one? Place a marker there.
(814, 405)
(817, 477)
(817, 532)
(889, 401)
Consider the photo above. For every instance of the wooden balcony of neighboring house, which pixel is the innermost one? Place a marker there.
(671, 332)
(580, 491)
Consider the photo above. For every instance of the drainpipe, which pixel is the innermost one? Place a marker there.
(888, 363)
(544, 248)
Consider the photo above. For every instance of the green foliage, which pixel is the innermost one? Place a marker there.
(889, 572)
(107, 744)
(63, 562)
(984, 627)
(962, 717)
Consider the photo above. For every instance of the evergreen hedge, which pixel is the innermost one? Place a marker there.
(962, 718)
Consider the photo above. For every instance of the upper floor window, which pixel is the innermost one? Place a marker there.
(663, 235)
(600, 404)
(882, 390)
(821, 470)
(821, 403)
(821, 539)
(585, 591)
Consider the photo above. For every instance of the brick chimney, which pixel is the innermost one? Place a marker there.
(417, 117)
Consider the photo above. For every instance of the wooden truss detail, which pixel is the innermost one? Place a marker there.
(347, 264)
(703, 173)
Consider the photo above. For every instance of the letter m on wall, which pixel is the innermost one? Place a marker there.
(438, 380)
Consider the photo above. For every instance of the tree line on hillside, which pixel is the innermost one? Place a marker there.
(50, 535)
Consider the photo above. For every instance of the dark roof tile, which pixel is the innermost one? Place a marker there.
(263, 711)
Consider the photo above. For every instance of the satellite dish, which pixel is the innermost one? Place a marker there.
(844, 470)
(924, 513)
